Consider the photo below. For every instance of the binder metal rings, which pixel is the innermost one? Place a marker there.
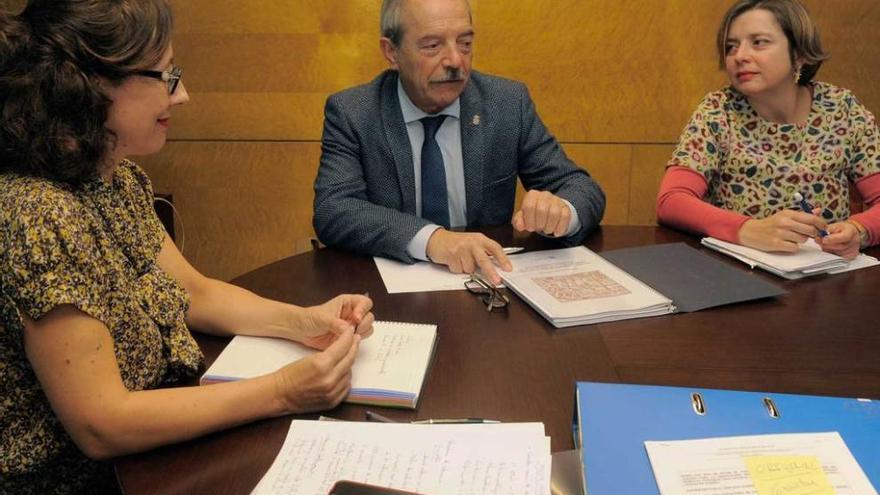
(698, 404)
(771, 408)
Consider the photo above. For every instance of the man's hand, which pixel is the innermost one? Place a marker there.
(542, 212)
(464, 252)
(843, 240)
(784, 231)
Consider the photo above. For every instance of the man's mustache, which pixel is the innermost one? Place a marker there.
(452, 75)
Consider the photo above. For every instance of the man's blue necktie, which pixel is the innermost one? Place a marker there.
(435, 205)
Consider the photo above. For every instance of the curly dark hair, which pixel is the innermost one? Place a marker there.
(55, 59)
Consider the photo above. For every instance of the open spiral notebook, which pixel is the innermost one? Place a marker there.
(389, 370)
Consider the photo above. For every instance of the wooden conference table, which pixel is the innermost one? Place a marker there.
(820, 338)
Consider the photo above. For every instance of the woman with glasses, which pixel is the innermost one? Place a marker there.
(95, 299)
(767, 161)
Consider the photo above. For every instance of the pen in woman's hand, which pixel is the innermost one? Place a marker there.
(807, 208)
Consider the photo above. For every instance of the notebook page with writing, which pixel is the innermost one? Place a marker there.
(389, 369)
(510, 458)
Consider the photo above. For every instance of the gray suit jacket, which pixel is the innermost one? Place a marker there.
(365, 198)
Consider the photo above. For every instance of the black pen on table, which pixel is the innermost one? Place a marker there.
(456, 421)
(371, 416)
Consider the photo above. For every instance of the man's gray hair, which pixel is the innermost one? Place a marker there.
(389, 20)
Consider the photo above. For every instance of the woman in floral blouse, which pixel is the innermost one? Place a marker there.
(772, 134)
(95, 299)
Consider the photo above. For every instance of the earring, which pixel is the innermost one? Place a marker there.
(797, 75)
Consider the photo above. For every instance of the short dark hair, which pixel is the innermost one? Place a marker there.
(800, 30)
(55, 58)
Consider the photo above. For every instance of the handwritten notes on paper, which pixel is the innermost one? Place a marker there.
(389, 369)
(512, 458)
(788, 475)
(783, 464)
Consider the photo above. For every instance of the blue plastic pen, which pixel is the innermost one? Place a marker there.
(808, 208)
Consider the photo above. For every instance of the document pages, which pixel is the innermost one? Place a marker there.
(809, 260)
(418, 277)
(575, 286)
(389, 369)
(508, 458)
(782, 464)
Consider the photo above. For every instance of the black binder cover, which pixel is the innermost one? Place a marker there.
(693, 280)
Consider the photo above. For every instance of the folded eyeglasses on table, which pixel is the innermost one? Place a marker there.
(491, 296)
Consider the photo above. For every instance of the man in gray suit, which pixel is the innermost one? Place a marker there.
(431, 145)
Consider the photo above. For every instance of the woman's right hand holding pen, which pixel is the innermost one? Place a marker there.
(784, 231)
(843, 239)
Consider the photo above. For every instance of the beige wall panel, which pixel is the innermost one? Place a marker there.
(622, 71)
(276, 16)
(851, 33)
(649, 165)
(277, 63)
(242, 204)
(600, 71)
(249, 116)
(609, 165)
(603, 71)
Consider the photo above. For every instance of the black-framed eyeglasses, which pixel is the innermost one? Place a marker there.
(491, 296)
(171, 76)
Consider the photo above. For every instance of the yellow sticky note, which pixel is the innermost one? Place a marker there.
(788, 475)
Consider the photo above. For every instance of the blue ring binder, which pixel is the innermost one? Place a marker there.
(612, 422)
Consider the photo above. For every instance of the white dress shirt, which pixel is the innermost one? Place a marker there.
(449, 140)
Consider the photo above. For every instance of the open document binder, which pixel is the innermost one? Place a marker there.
(613, 421)
(576, 286)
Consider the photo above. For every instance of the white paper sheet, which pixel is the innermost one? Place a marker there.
(420, 277)
(717, 466)
(510, 458)
(861, 261)
(809, 260)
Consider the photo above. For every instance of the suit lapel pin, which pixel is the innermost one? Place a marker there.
(476, 120)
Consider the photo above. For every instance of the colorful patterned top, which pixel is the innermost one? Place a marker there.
(755, 167)
(93, 247)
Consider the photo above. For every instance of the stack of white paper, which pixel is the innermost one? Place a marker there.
(575, 286)
(511, 458)
(792, 463)
(809, 260)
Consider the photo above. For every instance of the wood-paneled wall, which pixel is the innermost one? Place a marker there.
(614, 80)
